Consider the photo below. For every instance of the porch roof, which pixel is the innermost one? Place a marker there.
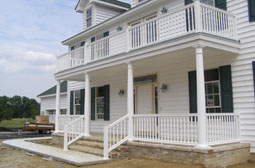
(52, 90)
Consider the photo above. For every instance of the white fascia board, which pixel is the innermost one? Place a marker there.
(81, 5)
(52, 95)
(110, 5)
(110, 22)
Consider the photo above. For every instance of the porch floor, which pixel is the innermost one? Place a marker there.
(70, 156)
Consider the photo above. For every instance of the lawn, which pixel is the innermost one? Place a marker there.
(15, 123)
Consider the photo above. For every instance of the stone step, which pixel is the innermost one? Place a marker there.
(94, 144)
(99, 145)
(93, 150)
(87, 149)
(93, 138)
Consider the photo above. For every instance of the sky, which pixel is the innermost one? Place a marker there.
(31, 32)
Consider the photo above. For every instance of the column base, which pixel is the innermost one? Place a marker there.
(203, 147)
(87, 135)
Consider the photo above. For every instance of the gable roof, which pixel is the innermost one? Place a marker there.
(53, 90)
(114, 2)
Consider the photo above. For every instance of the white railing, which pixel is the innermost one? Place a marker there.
(64, 119)
(172, 129)
(74, 131)
(115, 134)
(217, 21)
(109, 46)
(71, 59)
(223, 128)
(177, 22)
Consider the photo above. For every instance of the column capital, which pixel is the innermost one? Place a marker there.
(199, 46)
(85, 73)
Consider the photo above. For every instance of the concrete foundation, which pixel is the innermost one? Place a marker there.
(217, 157)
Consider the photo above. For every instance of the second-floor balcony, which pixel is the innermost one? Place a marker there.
(193, 18)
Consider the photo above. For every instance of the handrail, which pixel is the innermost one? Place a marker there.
(164, 15)
(216, 9)
(70, 52)
(115, 134)
(74, 131)
(108, 37)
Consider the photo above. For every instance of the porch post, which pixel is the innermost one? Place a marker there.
(201, 107)
(197, 16)
(57, 106)
(130, 101)
(87, 105)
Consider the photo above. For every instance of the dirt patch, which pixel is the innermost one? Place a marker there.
(10, 157)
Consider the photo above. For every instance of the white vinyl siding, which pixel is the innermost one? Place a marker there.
(49, 103)
(242, 70)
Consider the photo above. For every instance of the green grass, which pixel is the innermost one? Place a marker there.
(15, 123)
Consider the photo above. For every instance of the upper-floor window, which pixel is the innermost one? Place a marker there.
(222, 4)
(89, 17)
(251, 5)
(209, 2)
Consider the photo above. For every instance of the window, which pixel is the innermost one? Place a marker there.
(51, 112)
(89, 17)
(212, 91)
(63, 111)
(208, 2)
(251, 5)
(100, 102)
(77, 102)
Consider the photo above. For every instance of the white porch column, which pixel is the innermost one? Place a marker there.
(87, 105)
(201, 107)
(57, 106)
(130, 100)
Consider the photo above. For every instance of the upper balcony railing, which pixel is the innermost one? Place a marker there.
(196, 17)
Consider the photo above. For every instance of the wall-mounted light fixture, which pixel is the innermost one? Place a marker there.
(163, 88)
(164, 10)
(119, 28)
(121, 92)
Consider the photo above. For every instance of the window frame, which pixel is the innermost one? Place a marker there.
(52, 111)
(76, 92)
(63, 113)
(213, 94)
(89, 17)
(98, 97)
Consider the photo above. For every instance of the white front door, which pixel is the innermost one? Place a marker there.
(144, 99)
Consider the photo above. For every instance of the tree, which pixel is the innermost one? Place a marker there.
(18, 107)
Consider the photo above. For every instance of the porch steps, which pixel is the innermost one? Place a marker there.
(95, 146)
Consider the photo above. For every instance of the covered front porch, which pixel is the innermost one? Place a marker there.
(152, 100)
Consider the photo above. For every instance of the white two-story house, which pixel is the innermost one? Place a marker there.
(160, 71)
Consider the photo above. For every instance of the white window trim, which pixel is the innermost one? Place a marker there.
(74, 104)
(96, 97)
(220, 106)
(91, 17)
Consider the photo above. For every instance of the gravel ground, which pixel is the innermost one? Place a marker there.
(10, 157)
